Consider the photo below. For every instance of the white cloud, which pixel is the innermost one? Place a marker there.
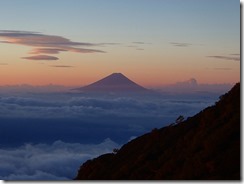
(83, 107)
(45, 44)
(58, 161)
(131, 116)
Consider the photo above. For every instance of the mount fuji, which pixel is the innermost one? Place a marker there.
(116, 82)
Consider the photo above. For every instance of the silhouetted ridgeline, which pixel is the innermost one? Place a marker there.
(204, 147)
(116, 82)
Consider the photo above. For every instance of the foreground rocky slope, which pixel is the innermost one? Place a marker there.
(204, 147)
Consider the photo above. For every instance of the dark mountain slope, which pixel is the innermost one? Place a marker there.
(204, 147)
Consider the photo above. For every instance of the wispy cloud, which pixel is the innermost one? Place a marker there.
(41, 57)
(62, 66)
(62, 49)
(235, 54)
(47, 44)
(141, 43)
(232, 57)
(39, 40)
(108, 43)
(138, 45)
(180, 44)
(222, 68)
(47, 51)
(140, 49)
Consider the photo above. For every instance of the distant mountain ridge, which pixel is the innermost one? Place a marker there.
(115, 82)
(204, 147)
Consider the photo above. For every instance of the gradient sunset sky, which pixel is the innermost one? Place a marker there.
(153, 42)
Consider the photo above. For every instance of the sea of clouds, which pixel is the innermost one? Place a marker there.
(47, 136)
(57, 161)
(68, 105)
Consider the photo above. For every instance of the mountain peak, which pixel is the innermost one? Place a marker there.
(115, 82)
(117, 74)
(115, 77)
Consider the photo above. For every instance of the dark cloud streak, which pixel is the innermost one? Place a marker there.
(41, 57)
(37, 39)
(232, 58)
(47, 44)
(62, 66)
(235, 54)
(47, 50)
(222, 68)
(178, 44)
(141, 43)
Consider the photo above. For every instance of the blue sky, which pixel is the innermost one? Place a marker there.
(152, 27)
(191, 17)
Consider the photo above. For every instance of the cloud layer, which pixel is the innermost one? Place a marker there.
(45, 44)
(81, 107)
(81, 125)
(118, 117)
(56, 161)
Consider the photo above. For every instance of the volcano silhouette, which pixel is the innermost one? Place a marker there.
(115, 82)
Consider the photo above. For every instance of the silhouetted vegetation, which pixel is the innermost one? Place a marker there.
(203, 147)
